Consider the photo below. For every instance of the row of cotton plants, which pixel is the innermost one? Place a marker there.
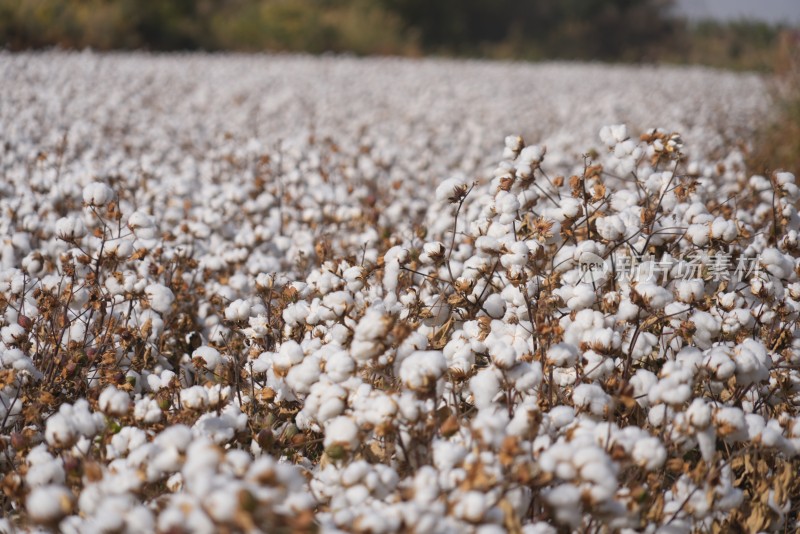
(356, 327)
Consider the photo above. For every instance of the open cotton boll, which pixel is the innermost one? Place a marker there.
(689, 291)
(70, 228)
(195, 397)
(421, 369)
(724, 230)
(484, 386)
(238, 310)
(48, 504)
(495, 306)
(114, 402)
(649, 453)
(290, 353)
(776, 263)
(341, 431)
(97, 194)
(752, 362)
(209, 355)
(147, 411)
(562, 355)
(654, 296)
(450, 188)
(591, 397)
(613, 134)
(160, 297)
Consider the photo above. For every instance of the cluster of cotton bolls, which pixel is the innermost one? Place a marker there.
(386, 320)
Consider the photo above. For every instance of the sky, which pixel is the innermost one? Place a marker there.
(772, 11)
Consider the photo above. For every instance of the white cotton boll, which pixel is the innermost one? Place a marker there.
(699, 413)
(238, 310)
(503, 355)
(450, 187)
(70, 228)
(561, 416)
(698, 234)
(139, 220)
(12, 334)
(342, 431)
(97, 194)
(48, 504)
(642, 381)
(591, 397)
(689, 291)
(724, 230)
(290, 353)
(209, 355)
(114, 402)
(471, 506)
(43, 468)
(147, 411)
(484, 386)
(627, 310)
(421, 369)
(565, 500)
(339, 366)
(654, 296)
(495, 306)
(731, 424)
(776, 263)
(302, 376)
(195, 397)
(160, 297)
(569, 208)
(610, 228)
(752, 362)
(59, 432)
(719, 364)
(649, 453)
(562, 355)
(526, 376)
(577, 297)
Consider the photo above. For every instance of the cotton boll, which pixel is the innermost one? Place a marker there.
(195, 397)
(59, 432)
(591, 397)
(339, 366)
(342, 431)
(495, 306)
(731, 424)
(649, 453)
(48, 504)
(642, 381)
(654, 296)
(484, 386)
(97, 194)
(565, 500)
(70, 228)
(776, 263)
(147, 411)
(562, 355)
(689, 291)
(113, 401)
(420, 370)
(288, 355)
(160, 297)
(209, 355)
(302, 376)
(752, 362)
(450, 188)
(471, 506)
(238, 310)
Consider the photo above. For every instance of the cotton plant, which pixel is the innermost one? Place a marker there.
(387, 318)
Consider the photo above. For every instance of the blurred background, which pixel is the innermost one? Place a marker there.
(736, 34)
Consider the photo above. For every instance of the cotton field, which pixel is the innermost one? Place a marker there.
(296, 294)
